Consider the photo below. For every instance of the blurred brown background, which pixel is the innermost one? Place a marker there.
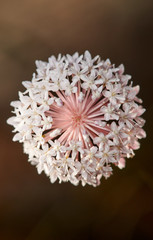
(30, 207)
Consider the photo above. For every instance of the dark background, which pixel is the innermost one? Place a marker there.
(30, 206)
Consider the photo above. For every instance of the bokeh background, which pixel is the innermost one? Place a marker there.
(30, 207)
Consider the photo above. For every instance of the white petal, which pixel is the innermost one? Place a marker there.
(17, 137)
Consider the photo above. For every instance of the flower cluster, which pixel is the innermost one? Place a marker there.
(77, 117)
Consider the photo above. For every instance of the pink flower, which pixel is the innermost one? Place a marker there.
(77, 118)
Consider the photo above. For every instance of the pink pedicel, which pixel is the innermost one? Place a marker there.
(78, 116)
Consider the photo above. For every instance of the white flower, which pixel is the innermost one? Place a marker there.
(109, 112)
(117, 132)
(91, 153)
(89, 81)
(97, 93)
(54, 171)
(89, 62)
(77, 117)
(114, 93)
(76, 72)
(67, 169)
(56, 148)
(75, 147)
(108, 155)
(69, 88)
(103, 140)
(86, 171)
(38, 137)
(106, 76)
(46, 122)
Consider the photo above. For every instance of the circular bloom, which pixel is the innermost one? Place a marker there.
(77, 117)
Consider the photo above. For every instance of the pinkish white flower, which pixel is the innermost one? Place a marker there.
(77, 118)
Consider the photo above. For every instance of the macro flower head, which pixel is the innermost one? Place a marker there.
(78, 117)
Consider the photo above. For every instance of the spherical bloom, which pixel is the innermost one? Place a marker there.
(77, 117)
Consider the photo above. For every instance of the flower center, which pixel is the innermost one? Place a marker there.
(77, 120)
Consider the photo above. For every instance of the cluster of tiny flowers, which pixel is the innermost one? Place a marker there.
(77, 117)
